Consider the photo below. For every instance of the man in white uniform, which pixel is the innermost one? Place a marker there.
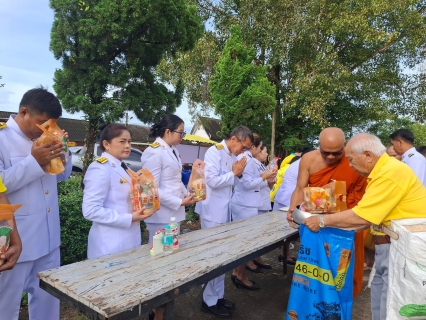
(222, 171)
(403, 143)
(21, 169)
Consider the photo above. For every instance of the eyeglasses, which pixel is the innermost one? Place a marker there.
(334, 154)
(244, 147)
(182, 134)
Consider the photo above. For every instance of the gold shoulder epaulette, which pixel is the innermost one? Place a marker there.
(219, 146)
(102, 160)
(410, 155)
(155, 145)
(3, 125)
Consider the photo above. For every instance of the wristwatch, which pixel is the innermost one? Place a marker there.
(321, 222)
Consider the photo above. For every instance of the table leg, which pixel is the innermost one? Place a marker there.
(285, 251)
(169, 310)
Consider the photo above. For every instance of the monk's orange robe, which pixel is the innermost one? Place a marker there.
(355, 188)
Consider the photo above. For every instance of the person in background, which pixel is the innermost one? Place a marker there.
(283, 166)
(222, 172)
(162, 158)
(15, 244)
(393, 192)
(106, 197)
(391, 152)
(421, 150)
(403, 143)
(245, 203)
(21, 168)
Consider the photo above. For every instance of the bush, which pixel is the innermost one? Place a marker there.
(191, 215)
(74, 227)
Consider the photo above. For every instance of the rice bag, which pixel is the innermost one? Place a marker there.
(144, 191)
(273, 165)
(330, 198)
(6, 226)
(197, 181)
(52, 133)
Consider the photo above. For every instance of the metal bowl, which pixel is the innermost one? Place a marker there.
(299, 215)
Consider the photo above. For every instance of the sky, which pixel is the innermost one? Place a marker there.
(25, 59)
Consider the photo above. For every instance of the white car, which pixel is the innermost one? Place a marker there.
(133, 161)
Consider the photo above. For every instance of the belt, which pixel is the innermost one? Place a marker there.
(381, 239)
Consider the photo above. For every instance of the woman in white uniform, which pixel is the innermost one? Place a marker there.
(106, 198)
(265, 187)
(246, 201)
(163, 160)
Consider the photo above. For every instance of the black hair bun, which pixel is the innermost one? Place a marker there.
(101, 128)
(153, 131)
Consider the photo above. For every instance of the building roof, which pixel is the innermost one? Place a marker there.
(77, 129)
(211, 126)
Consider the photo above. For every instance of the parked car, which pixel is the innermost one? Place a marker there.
(133, 161)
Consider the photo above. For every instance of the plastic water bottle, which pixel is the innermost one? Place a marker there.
(167, 240)
(174, 226)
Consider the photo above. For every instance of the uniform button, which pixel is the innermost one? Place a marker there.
(48, 210)
(46, 192)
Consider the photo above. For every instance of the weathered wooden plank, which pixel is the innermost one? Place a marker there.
(117, 283)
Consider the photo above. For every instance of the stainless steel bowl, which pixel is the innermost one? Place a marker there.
(299, 215)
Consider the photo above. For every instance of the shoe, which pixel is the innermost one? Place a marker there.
(233, 277)
(226, 303)
(261, 265)
(151, 315)
(281, 259)
(257, 270)
(239, 284)
(290, 262)
(217, 310)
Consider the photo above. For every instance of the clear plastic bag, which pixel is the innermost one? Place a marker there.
(144, 191)
(197, 181)
(273, 165)
(327, 199)
(52, 133)
(7, 225)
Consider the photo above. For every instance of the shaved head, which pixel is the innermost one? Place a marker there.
(332, 145)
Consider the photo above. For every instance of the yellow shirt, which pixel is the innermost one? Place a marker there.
(2, 186)
(280, 175)
(393, 192)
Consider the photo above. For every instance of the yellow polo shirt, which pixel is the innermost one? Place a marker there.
(2, 187)
(393, 192)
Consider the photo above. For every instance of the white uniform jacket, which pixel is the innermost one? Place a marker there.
(264, 188)
(219, 182)
(288, 185)
(106, 202)
(167, 171)
(247, 192)
(26, 182)
(416, 161)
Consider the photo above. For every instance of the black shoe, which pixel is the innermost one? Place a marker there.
(226, 303)
(217, 310)
(256, 270)
(239, 284)
(261, 265)
(233, 277)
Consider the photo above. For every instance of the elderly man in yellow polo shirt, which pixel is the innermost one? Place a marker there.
(15, 246)
(393, 192)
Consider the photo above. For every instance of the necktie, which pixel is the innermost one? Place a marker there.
(175, 154)
(123, 165)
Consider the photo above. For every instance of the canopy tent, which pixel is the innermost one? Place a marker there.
(193, 137)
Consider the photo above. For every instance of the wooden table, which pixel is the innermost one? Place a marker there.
(130, 283)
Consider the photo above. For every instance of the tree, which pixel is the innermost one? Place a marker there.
(109, 50)
(336, 63)
(240, 87)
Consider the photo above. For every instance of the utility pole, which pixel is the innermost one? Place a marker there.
(127, 119)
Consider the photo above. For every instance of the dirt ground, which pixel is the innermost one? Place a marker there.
(269, 303)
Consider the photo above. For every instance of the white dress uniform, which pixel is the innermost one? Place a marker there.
(166, 167)
(283, 195)
(214, 210)
(247, 199)
(107, 203)
(37, 221)
(416, 161)
(264, 190)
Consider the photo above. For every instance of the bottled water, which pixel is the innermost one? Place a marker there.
(167, 240)
(174, 226)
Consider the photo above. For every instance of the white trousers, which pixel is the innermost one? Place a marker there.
(23, 278)
(215, 289)
(239, 212)
(278, 205)
(153, 227)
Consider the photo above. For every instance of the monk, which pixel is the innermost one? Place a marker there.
(319, 167)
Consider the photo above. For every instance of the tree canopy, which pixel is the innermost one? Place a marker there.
(109, 50)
